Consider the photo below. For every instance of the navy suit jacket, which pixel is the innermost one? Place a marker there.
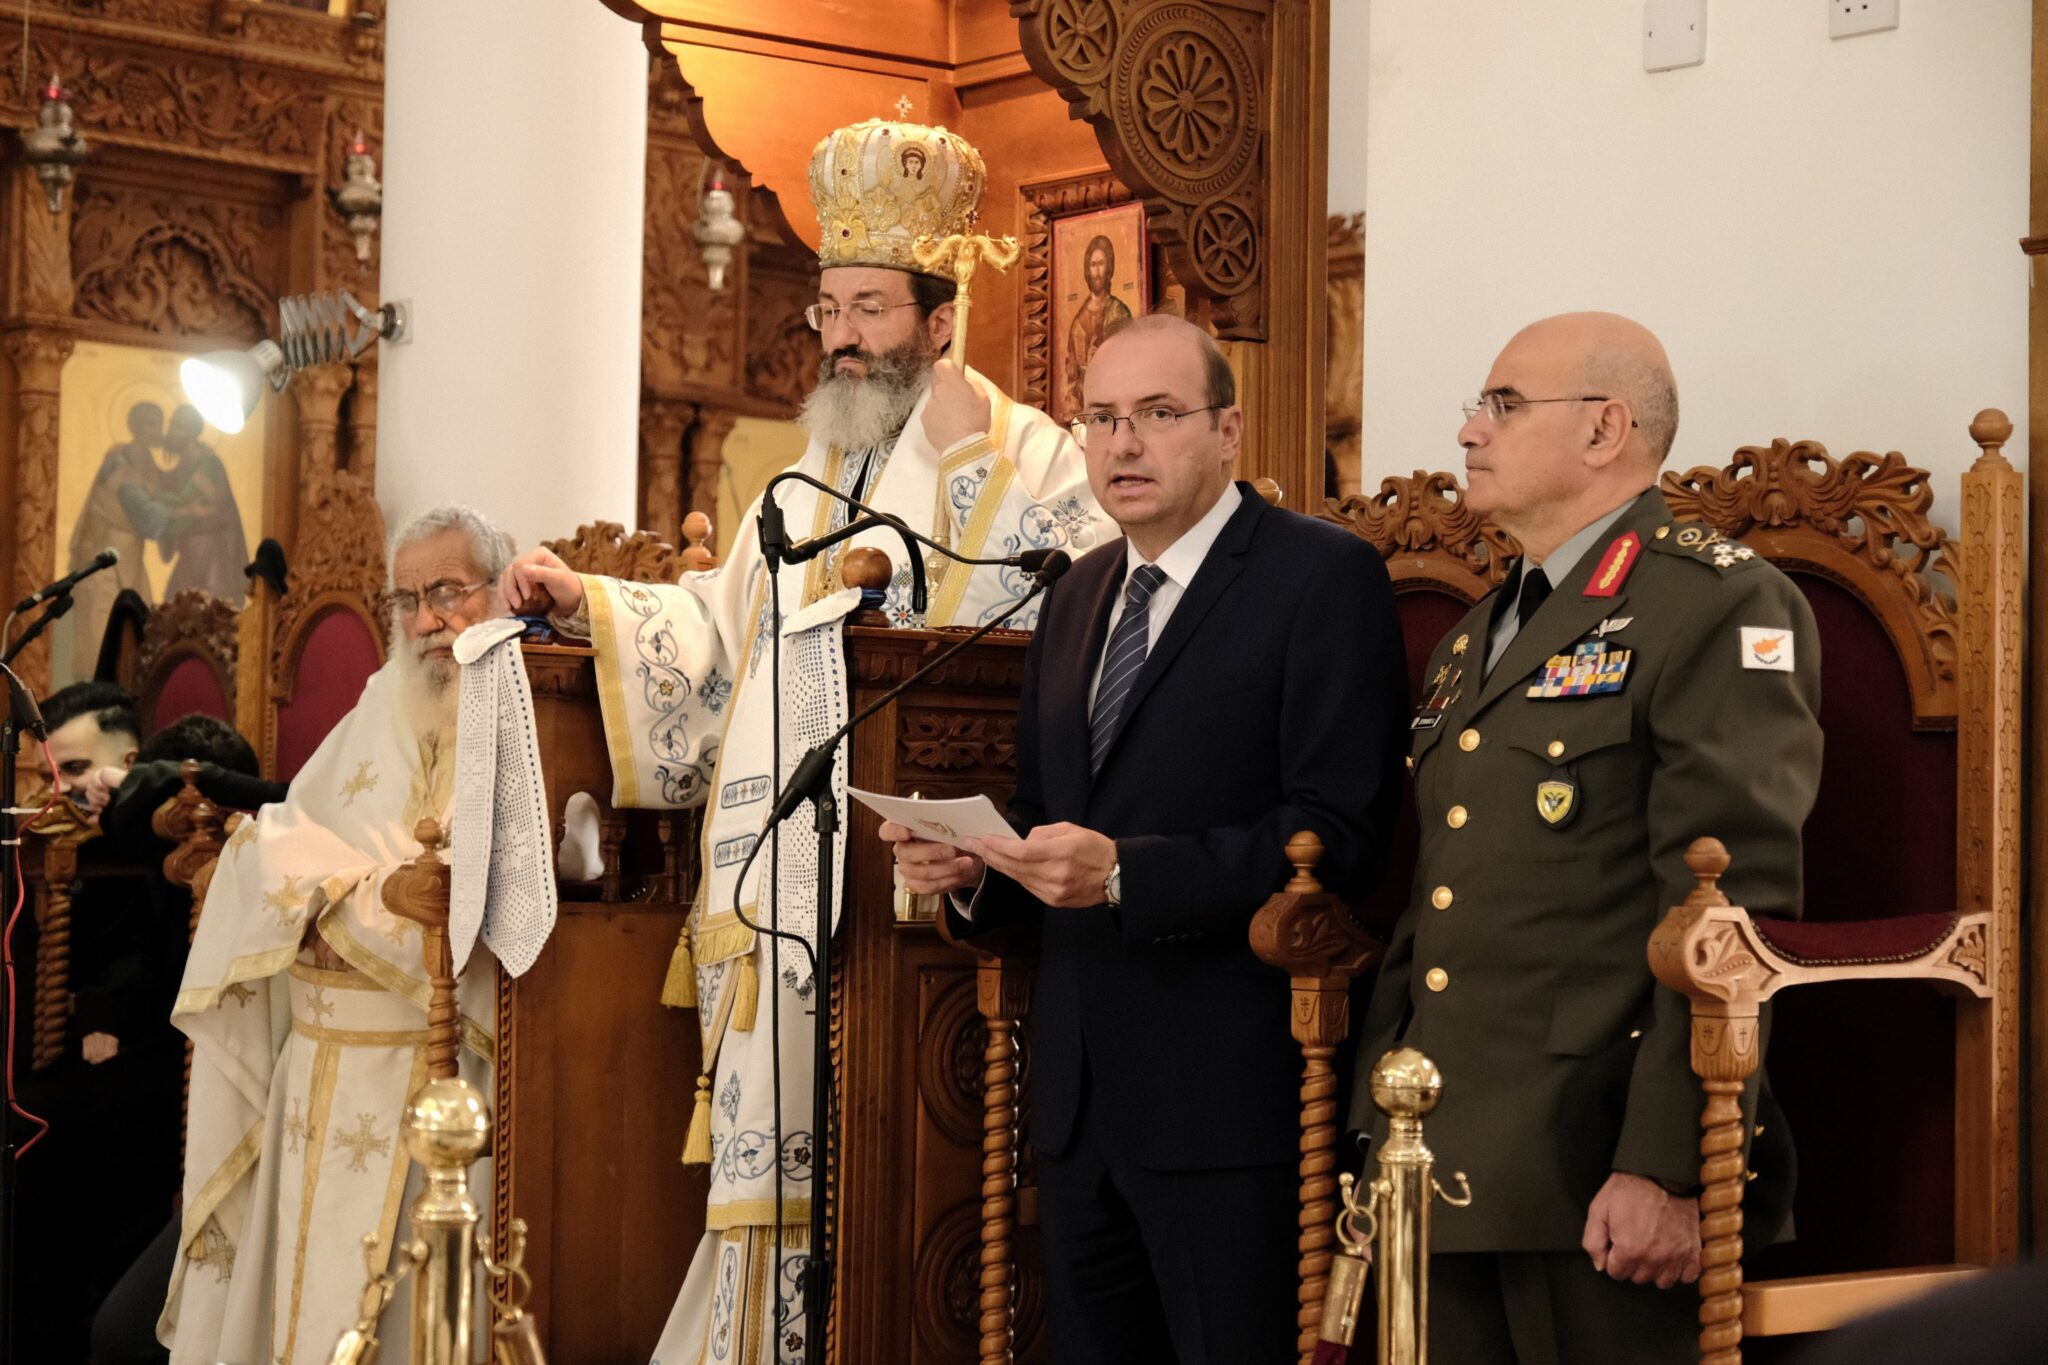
(1274, 701)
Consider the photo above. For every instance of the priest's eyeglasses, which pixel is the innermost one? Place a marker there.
(1498, 407)
(861, 313)
(442, 598)
(1101, 426)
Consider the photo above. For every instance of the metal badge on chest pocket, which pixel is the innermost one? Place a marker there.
(1562, 737)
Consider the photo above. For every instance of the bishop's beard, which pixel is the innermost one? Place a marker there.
(426, 686)
(860, 412)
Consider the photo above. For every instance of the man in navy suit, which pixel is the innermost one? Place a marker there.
(1228, 675)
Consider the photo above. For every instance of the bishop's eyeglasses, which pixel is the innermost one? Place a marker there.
(861, 313)
(1498, 406)
(443, 597)
(1101, 426)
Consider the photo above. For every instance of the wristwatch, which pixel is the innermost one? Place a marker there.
(1113, 886)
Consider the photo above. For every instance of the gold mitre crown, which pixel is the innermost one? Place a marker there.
(879, 186)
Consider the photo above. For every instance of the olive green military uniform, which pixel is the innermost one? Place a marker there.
(1668, 688)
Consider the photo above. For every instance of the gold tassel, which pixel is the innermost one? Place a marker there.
(697, 1146)
(679, 989)
(746, 995)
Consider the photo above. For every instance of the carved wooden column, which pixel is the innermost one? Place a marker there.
(1310, 935)
(38, 354)
(707, 457)
(1002, 995)
(362, 425)
(316, 396)
(1989, 838)
(663, 421)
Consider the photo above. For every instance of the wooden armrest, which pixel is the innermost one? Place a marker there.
(1818, 1303)
(1856, 943)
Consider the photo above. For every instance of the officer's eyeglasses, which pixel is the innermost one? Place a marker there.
(1498, 407)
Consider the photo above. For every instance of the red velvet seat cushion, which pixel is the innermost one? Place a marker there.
(339, 656)
(1855, 942)
(190, 687)
(1876, 1153)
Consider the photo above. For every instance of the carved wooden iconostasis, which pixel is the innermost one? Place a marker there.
(1168, 102)
(215, 128)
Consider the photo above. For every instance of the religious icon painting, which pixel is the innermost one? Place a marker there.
(141, 473)
(1101, 276)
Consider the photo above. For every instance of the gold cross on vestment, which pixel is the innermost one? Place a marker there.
(903, 106)
(238, 993)
(958, 256)
(363, 781)
(287, 901)
(361, 1143)
(214, 1249)
(318, 1005)
(297, 1127)
(245, 833)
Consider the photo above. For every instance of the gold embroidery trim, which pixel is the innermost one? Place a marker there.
(756, 1213)
(611, 690)
(339, 1037)
(821, 522)
(721, 937)
(326, 1071)
(401, 1165)
(951, 590)
(336, 931)
(225, 1177)
(269, 962)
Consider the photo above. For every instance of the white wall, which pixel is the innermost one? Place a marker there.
(513, 178)
(1347, 104)
(1824, 233)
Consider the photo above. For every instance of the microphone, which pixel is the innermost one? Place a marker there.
(105, 559)
(1044, 565)
(22, 703)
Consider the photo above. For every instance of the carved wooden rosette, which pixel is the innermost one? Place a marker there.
(419, 891)
(1990, 835)
(1428, 536)
(1311, 935)
(1877, 541)
(1046, 201)
(62, 829)
(1177, 95)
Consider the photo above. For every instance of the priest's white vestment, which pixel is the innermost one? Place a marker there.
(300, 1074)
(684, 674)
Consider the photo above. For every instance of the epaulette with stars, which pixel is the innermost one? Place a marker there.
(1691, 540)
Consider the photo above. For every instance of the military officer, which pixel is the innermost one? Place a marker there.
(1634, 684)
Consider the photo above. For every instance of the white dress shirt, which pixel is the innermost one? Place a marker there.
(1179, 562)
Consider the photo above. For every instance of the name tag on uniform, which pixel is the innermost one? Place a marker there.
(1588, 671)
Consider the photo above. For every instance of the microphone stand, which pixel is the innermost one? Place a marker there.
(19, 701)
(812, 781)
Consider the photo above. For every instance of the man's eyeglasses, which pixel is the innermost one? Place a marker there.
(442, 598)
(1498, 407)
(1101, 426)
(860, 314)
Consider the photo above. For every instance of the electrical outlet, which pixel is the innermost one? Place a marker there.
(1674, 34)
(1849, 18)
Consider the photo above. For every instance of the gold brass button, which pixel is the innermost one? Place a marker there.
(1455, 817)
(1441, 898)
(1663, 531)
(1759, 1130)
(1411, 763)
(1750, 1174)
(1437, 979)
(1555, 748)
(1635, 1033)
(1469, 741)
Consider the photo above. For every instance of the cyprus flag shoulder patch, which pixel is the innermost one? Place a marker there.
(1767, 647)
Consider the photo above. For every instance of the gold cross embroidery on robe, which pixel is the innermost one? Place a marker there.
(363, 781)
(297, 1128)
(362, 1142)
(287, 901)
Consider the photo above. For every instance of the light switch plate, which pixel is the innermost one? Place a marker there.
(1849, 18)
(1674, 34)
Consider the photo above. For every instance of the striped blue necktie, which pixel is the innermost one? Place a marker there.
(1126, 655)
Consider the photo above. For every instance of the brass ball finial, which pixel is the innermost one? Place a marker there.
(1406, 1084)
(1707, 859)
(446, 1124)
(866, 568)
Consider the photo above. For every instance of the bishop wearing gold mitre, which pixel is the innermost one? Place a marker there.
(690, 711)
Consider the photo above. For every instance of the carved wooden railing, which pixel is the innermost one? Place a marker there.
(1309, 934)
(62, 829)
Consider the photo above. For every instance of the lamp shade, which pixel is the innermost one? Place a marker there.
(226, 385)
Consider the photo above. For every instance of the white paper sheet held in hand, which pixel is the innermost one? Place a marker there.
(941, 822)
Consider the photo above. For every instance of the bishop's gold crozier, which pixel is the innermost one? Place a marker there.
(1394, 1214)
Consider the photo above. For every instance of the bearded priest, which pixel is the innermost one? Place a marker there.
(690, 714)
(305, 998)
